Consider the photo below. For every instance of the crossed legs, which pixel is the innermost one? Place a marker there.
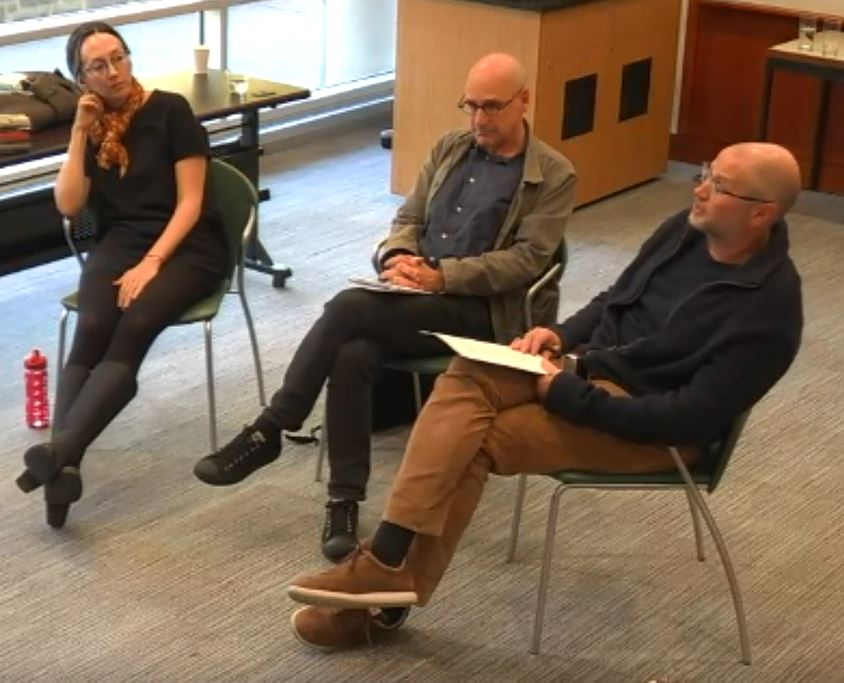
(99, 378)
(479, 419)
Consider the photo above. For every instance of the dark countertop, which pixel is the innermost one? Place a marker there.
(532, 5)
(208, 95)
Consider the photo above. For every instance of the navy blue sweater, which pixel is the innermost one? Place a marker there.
(720, 350)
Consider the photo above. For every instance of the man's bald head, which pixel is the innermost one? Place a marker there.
(497, 98)
(498, 69)
(769, 171)
(747, 189)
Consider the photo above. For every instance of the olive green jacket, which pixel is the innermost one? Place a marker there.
(529, 239)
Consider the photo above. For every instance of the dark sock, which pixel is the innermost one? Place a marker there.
(393, 617)
(271, 431)
(391, 543)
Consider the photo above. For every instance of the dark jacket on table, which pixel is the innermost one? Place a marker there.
(720, 350)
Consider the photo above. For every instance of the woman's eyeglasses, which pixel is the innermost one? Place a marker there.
(99, 67)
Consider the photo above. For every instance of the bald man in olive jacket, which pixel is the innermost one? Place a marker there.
(486, 217)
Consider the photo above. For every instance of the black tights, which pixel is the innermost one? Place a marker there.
(109, 344)
(104, 332)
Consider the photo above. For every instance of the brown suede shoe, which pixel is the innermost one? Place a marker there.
(329, 629)
(358, 582)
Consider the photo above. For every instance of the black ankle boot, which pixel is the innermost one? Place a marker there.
(65, 488)
(27, 482)
(108, 389)
(42, 464)
(57, 514)
(340, 531)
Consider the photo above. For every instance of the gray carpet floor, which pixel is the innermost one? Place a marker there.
(159, 578)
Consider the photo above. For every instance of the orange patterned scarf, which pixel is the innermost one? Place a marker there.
(109, 129)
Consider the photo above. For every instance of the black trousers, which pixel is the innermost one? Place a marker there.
(346, 346)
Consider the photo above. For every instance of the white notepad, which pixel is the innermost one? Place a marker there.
(382, 286)
(496, 354)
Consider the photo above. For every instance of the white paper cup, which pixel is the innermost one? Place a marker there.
(200, 59)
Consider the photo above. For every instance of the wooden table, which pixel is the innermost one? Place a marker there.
(33, 214)
(788, 57)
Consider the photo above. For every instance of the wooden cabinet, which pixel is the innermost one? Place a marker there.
(601, 76)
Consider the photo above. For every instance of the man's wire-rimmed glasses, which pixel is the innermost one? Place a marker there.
(717, 183)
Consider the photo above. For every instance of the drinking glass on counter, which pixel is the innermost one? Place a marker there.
(831, 37)
(806, 34)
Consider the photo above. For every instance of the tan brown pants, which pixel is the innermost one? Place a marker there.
(481, 419)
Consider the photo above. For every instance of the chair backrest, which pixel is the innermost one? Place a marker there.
(562, 257)
(236, 200)
(230, 192)
(553, 274)
(720, 451)
(79, 231)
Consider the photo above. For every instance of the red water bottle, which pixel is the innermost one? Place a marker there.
(35, 380)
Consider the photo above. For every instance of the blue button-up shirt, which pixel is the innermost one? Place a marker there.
(467, 212)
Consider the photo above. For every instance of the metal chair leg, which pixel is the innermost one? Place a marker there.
(515, 523)
(547, 554)
(323, 443)
(701, 505)
(62, 336)
(417, 392)
(59, 360)
(253, 339)
(701, 553)
(209, 372)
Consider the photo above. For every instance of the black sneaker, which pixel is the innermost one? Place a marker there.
(391, 618)
(340, 532)
(240, 457)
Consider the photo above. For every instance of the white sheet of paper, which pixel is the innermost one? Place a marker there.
(496, 354)
(381, 286)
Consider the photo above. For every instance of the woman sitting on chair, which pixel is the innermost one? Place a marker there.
(138, 160)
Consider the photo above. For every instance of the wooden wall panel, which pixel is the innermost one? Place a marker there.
(834, 152)
(723, 72)
(437, 43)
(438, 40)
(605, 37)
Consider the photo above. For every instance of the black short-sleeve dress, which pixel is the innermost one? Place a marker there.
(131, 212)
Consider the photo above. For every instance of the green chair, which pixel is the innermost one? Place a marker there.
(237, 203)
(705, 474)
(434, 365)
